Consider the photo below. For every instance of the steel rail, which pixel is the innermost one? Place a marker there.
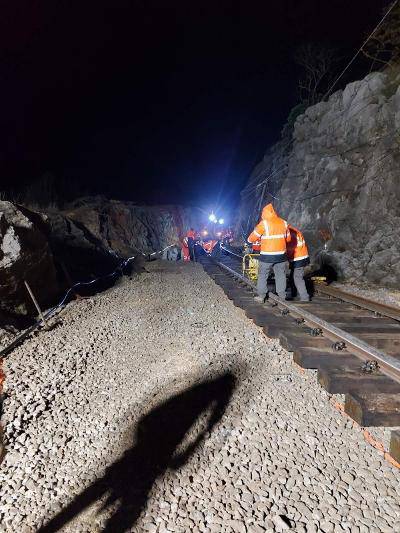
(230, 252)
(365, 303)
(388, 365)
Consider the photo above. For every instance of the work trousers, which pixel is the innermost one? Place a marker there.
(280, 278)
(191, 248)
(298, 279)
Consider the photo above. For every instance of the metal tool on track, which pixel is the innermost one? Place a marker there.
(250, 266)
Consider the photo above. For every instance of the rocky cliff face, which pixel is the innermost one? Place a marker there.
(339, 180)
(87, 240)
(129, 229)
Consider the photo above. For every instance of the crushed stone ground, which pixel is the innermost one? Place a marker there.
(161, 393)
(381, 294)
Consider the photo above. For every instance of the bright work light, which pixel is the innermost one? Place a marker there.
(221, 221)
(212, 218)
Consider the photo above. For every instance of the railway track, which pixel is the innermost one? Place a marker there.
(353, 343)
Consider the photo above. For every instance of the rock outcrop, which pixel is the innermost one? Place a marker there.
(78, 253)
(89, 239)
(25, 255)
(128, 229)
(339, 180)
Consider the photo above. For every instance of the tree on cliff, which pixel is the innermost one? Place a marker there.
(384, 45)
(318, 68)
(317, 63)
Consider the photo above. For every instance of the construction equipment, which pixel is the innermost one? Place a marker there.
(250, 266)
(319, 279)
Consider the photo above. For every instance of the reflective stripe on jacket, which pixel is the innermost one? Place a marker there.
(297, 251)
(273, 233)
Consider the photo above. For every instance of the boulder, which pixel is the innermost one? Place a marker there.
(25, 255)
(79, 255)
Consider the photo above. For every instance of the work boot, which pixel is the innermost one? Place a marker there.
(302, 300)
(259, 299)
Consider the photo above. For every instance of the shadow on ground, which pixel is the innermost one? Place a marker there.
(158, 440)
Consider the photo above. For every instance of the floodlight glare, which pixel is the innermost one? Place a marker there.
(212, 218)
(221, 220)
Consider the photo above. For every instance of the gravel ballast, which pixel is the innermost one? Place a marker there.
(157, 406)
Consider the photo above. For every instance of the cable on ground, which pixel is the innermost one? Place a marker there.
(48, 314)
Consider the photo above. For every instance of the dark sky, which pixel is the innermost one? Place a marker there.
(157, 101)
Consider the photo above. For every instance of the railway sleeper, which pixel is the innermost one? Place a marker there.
(318, 358)
(271, 324)
(391, 346)
(373, 409)
(332, 313)
(242, 300)
(274, 330)
(231, 289)
(291, 340)
(360, 321)
(395, 445)
(348, 377)
(229, 285)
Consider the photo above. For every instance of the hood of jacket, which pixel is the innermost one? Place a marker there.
(268, 212)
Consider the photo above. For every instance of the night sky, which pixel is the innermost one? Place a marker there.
(157, 101)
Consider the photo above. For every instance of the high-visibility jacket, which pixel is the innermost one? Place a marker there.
(274, 234)
(256, 247)
(185, 249)
(297, 251)
(209, 246)
(191, 234)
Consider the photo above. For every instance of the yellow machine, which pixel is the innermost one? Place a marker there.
(250, 266)
(319, 279)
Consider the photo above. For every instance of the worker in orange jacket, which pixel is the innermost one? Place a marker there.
(274, 234)
(191, 237)
(298, 257)
(185, 249)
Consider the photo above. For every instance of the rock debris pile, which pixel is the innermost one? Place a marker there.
(157, 406)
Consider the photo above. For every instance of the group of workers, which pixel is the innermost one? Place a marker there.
(278, 242)
(207, 241)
